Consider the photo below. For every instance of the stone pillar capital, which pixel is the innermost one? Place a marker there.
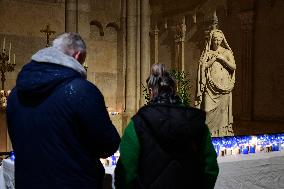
(155, 31)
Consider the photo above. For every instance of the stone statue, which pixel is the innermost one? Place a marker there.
(216, 79)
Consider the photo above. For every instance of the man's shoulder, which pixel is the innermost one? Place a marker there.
(81, 82)
(83, 86)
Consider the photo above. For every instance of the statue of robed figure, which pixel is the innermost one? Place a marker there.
(216, 79)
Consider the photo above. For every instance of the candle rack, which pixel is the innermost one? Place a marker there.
(5, 66)
(248, 144)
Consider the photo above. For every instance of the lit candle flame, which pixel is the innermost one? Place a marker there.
(4, 40)
(10, 46)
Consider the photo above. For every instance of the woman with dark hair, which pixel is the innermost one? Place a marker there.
(166, 145)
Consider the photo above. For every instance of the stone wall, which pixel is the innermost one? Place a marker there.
(268, 91)
(103, 37)
(21, 22)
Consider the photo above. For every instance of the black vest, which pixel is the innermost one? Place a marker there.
(170, 154)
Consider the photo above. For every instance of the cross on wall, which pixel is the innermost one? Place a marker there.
(48, 32)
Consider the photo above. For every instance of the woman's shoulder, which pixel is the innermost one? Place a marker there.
(175, 107)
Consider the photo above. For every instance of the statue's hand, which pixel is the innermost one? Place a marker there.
(221, 57)
(210, 62)
(212, 54)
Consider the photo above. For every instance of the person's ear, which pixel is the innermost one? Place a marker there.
(79, 56)
(76, 55)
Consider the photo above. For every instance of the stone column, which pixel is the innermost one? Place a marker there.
(131, 61)
(179, 43)
(131, 46)
(121, 72)
(177, 53)
(182, 38)
(71, 15)
(138, 54)
(145, 45)
(247, 27)
(83, 16)
(156, 47)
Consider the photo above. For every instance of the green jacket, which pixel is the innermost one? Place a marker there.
(127, 165)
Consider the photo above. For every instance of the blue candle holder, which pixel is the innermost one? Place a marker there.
(252, 149)
(245, 150)
(113, 160)
(12, 156)
(275, 147)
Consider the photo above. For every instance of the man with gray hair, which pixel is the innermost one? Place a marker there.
(58, 122)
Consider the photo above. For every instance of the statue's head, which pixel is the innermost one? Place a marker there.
(217, 37)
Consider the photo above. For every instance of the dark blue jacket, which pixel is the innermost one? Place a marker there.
(59, 128)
